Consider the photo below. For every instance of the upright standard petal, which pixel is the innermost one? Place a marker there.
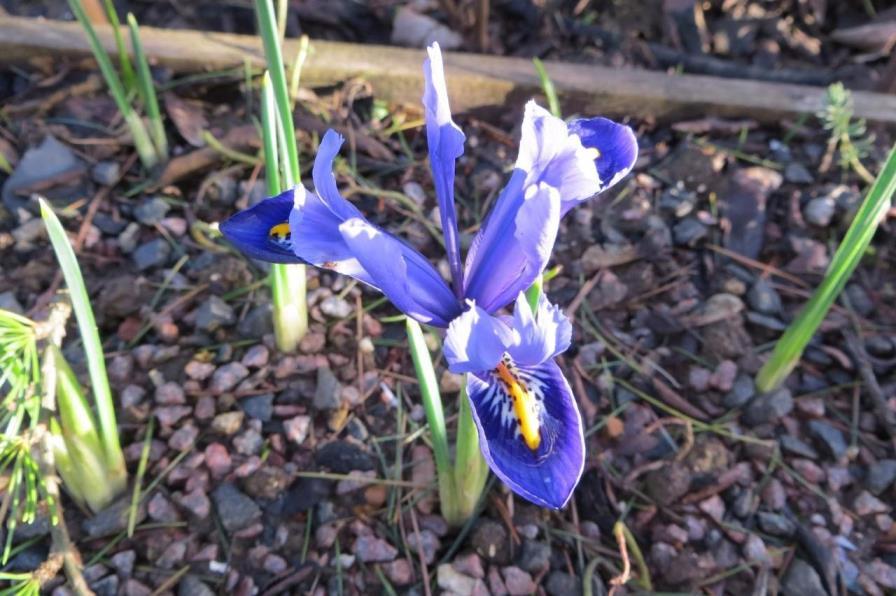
(263, 231)
(616, 148)
(407, 279)
(547, 474)
(513, 247)
(476, 341)
(542, 335)
(446, 143)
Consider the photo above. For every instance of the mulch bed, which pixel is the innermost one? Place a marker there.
(310, 472)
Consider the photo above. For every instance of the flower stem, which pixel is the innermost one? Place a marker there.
(470, 469)
(435, 417)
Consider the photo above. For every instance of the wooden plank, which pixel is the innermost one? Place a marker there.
(474, 81)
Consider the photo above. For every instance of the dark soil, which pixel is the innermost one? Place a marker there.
(309, 473)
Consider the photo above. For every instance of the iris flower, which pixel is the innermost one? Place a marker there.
(529, 426)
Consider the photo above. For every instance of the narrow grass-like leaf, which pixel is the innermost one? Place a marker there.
(142, 142)
(547, 85)
(790, 346)
(138, 481)
(93, 347)
(267, 28)
(124, 61)
(435, 417)
(148, 91)
(296, 78)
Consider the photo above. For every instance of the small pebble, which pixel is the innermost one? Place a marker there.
(819, 211)
(370, 549)
(228, 423)
(170, 394)
(517, 581)
(150, 212)
(227, 377)
(296, 429)
(867, 504)
(336, 308)
(256, 356)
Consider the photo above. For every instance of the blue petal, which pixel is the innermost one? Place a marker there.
(514, 244)
(547, 475)
(616, 146)
(407, 279)
(542, 335)
(550, 154)
(446, 143)
(254, 230)
(476, 341)
(325, 181)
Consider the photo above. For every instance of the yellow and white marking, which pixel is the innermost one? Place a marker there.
(525, 405)
(280, 234)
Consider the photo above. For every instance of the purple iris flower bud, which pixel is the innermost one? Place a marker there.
(529, 425)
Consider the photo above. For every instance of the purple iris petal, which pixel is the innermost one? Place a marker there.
(250, 230)
(513, 246)
(476, 341)
(315, 221)
(401, 273)
(325, 181)
(542, 334)
(446, 144)
(547, 475)
(549, 153)
(617, 150)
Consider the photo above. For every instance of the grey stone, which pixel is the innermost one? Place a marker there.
(151, 254)
(563, 584)
(535, 556)
(328, 390)
(763, 298)
(741, 392)
(830, 437)
(227, 376)
(688, 232)
(28, 234)
(335, 307)
(112, 520)
(796, 173)
(190, 585)
(859, 299)
(127, 239)
(775, 524)
(454, 582)
(802, 580)
(260, 407)
(48, 160)
(769, 407)
(342, 457)
(819, 211)
(766, 321)
(150, 212)
(258, 323)
(123, 562)
(235, 510)
(213, 314)
(105, 173)
(881, 475)
(794, 446)
(107, 586)
(370, 549)
(8, 301)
